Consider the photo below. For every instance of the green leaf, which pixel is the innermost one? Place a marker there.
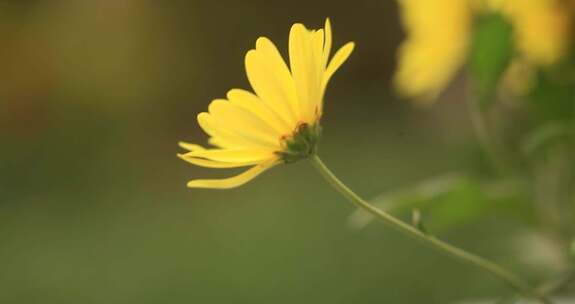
(547, 135)
(553, 96)
(451, 201)
(491, 52)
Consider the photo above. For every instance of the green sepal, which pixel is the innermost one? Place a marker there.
(302, 144)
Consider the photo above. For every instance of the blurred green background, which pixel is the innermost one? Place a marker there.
(94, 97)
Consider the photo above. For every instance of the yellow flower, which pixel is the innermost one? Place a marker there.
(277, 124)
(541, 29)
(436, 46)
(439, 33)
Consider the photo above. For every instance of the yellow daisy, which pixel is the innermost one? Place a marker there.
(438, 38)
(279, 123)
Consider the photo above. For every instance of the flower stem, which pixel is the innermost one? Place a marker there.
(511, 279)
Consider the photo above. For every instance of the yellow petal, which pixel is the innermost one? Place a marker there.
(214, 164)
(436, 45)
(190, 146)
(233, 155)
(217, 142)
(542, 29)
(266, 73)
(222, 137)
(338, 59)
(317, 48)
(327, 44)
(243, 123)
(235, 181)
(303, 69)
(317, 69)
(280, 72)
(254, 104)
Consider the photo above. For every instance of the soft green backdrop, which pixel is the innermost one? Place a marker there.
(94, 97)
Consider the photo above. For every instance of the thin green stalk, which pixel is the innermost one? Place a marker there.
(511, 279)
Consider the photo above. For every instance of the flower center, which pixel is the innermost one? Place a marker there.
(301, 144)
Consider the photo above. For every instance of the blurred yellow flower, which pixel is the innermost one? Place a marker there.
(439, 33)
(438, 36)
(541, 28)
(280, 122)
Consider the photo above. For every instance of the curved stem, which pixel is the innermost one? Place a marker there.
(450, 250)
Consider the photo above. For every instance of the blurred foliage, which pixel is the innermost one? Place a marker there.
(492, 51)
(95, 96)
(548, 135)
(553, 98)
(448, 202)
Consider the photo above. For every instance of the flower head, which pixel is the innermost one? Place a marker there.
(439, 34)
(279, 123)
(436, 45)
(541, 28)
